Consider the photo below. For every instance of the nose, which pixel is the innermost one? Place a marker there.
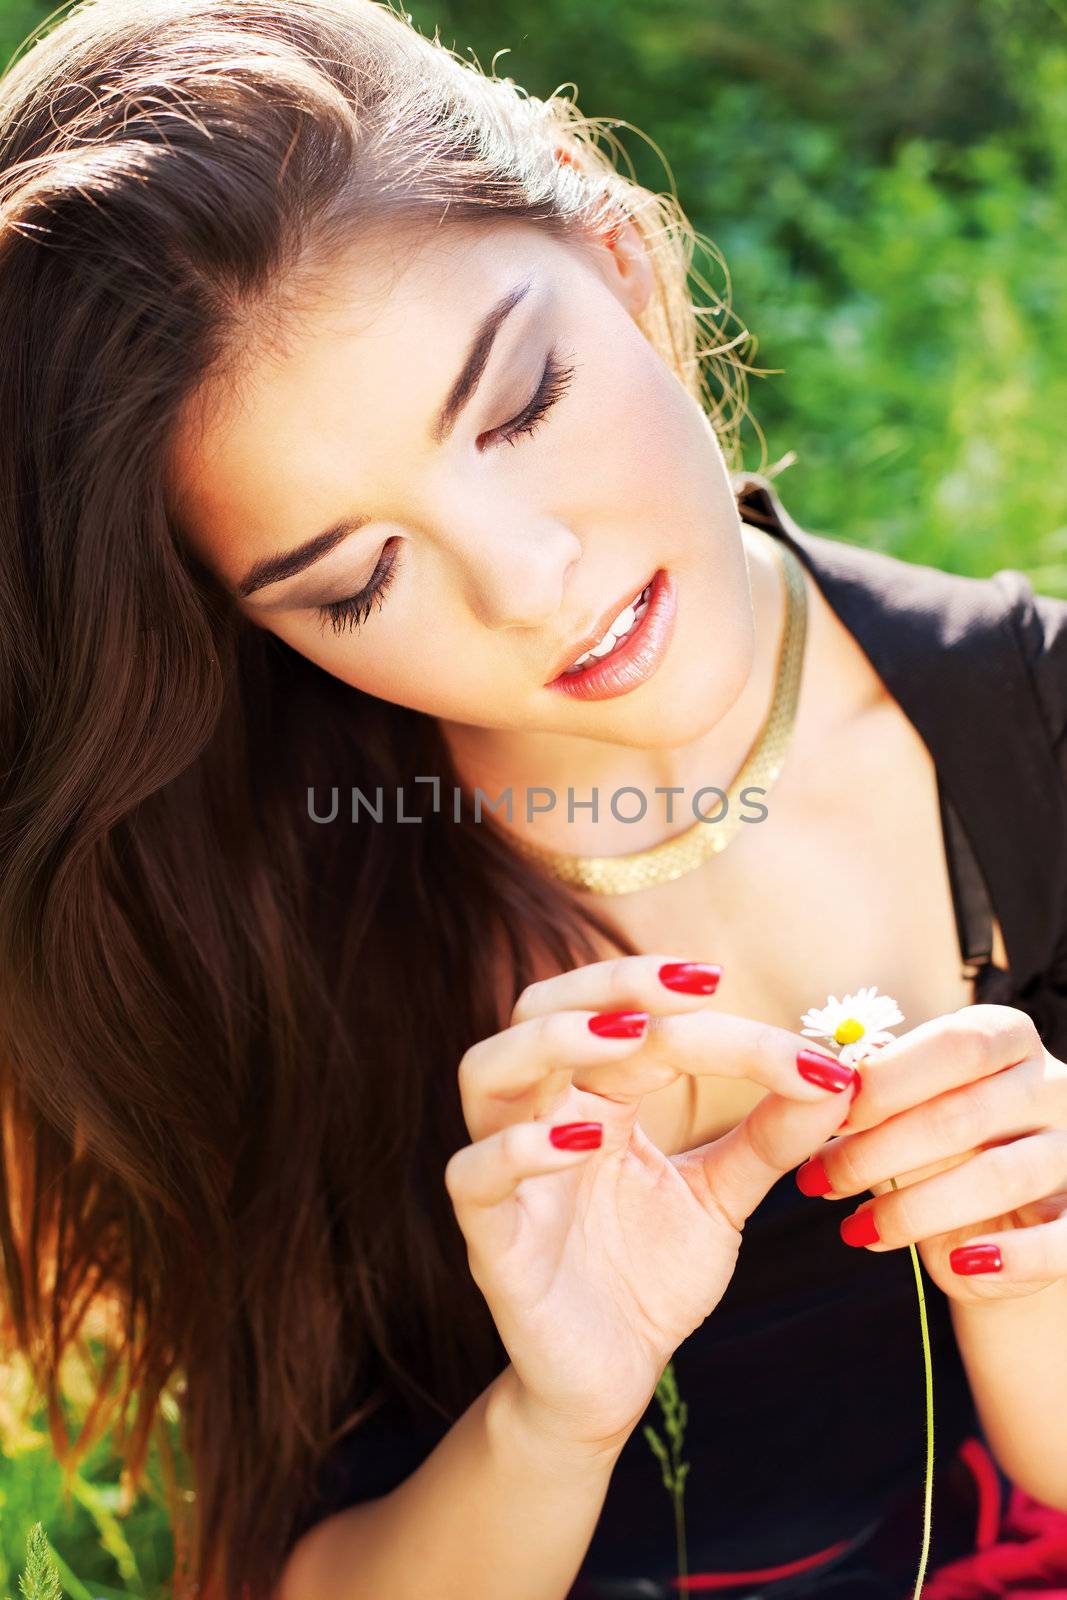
(519, 578)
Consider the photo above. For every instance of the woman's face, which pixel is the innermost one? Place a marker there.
(502, 547)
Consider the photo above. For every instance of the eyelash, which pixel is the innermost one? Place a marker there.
(555, 381)
(354, 611)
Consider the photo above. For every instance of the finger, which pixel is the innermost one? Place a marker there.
(538, 1056)
(1022, 1255)
(807, 1182)
(1005, 1106)
(525, 1070)
(741, 1167)
(991, 1183)
(723, 1045)
(482, 1178)
(945, 1053)
(624, 983)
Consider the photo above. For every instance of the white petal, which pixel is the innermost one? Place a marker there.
(873, 1012)
(889, 1013)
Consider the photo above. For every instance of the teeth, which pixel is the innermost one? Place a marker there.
(610, 639)
(624, 622)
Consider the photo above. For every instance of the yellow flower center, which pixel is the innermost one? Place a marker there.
(848, 1031)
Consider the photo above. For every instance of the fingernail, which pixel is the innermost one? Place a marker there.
(860, 1228)
(972, 1258)
(812, 1179)
(576, 1135)
(619, 1024)
(690, 977)
(824, 1070)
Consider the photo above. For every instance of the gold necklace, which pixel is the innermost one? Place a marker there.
(674, 857)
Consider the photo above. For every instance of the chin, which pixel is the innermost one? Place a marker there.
(673, 716)
(690, 694)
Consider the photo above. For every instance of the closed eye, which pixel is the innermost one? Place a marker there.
(556, 378)
(555, 381)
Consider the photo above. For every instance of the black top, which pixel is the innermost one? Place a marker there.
(805, 1385)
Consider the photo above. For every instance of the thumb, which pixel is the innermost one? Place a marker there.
(777, 1135)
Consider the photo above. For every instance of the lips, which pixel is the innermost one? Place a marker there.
(589, 640)
(634, 658)
(617, 634)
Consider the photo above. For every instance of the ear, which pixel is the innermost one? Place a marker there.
(619, 252)
(623, 260)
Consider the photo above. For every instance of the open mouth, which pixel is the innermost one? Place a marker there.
(625, 623)
(632, 649)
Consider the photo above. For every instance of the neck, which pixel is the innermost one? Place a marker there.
(495, 760)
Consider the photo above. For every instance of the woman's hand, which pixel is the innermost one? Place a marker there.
(597, 1263)
(968, 1112)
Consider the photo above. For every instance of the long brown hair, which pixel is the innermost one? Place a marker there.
(229, 1035)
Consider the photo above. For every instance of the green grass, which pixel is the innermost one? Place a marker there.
(103, 1541)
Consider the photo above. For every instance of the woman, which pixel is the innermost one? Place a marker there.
(352, 398)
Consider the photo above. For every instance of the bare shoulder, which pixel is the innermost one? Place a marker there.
(343, 1542)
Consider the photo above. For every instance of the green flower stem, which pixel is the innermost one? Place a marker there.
(929, 1370)
(674, 1470)
(679, 1539)
(676, 1414)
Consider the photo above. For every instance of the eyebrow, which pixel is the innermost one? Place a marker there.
(287, 563)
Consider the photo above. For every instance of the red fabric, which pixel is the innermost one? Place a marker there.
(697, 1581)
(980, 1464)
(1021, 1555)
(1027, 1560)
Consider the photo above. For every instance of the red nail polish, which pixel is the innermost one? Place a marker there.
(812, 1179)
(619, 1024)
(690, 977)
(824, 1070)
(860, 1228)
(577, 1135)
(972, 1258)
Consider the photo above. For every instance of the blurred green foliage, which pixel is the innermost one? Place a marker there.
(887, 183)
(105, 1543)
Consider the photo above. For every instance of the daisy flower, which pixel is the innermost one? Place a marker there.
(856, 1024)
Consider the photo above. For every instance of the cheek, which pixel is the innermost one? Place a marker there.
(663, 451)
(403, 664)
(638, 407)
